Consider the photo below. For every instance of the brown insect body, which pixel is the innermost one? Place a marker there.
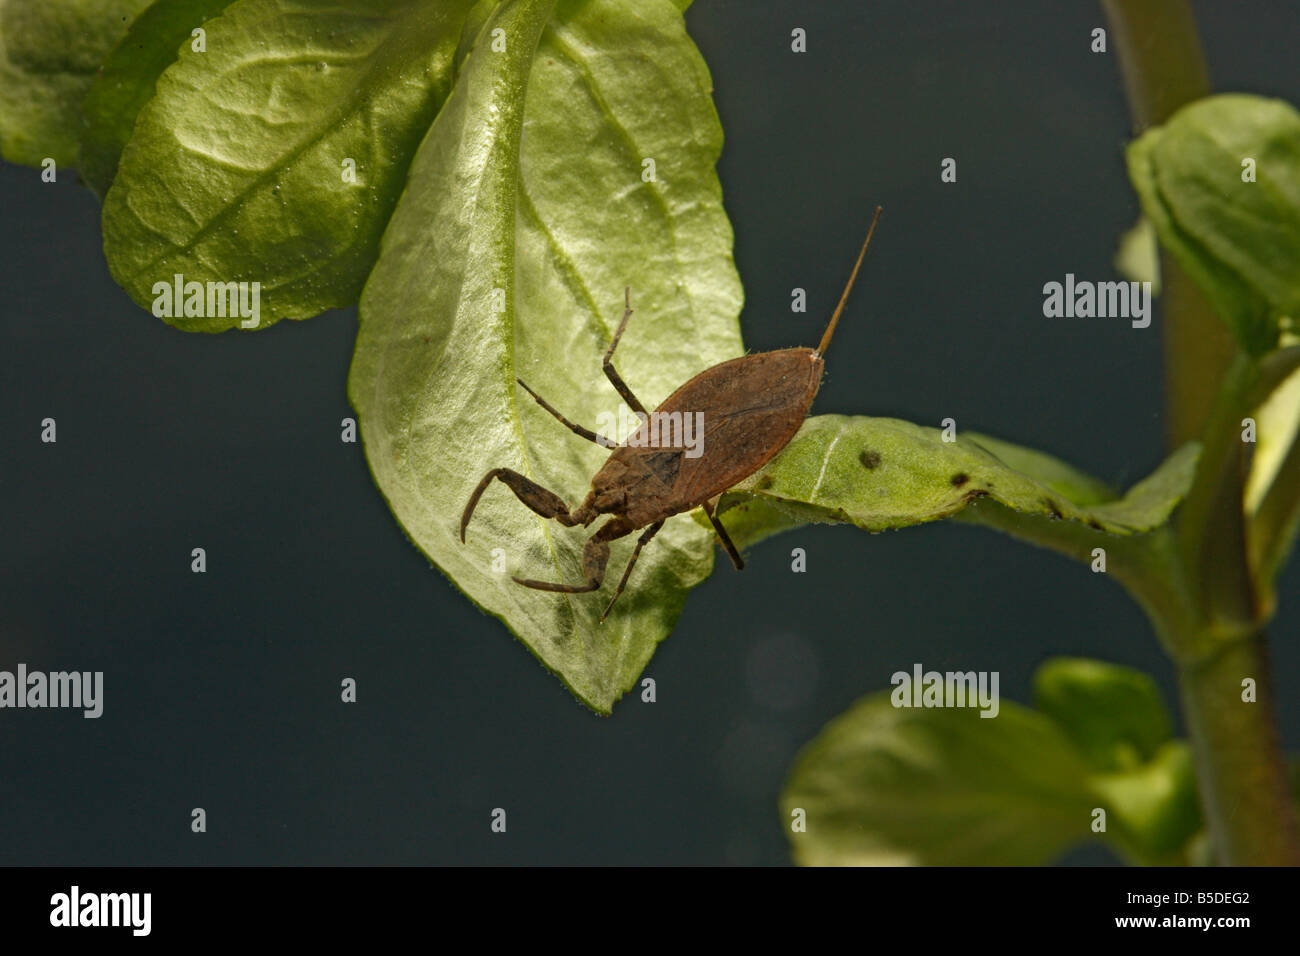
(753, 405)
(750, 406)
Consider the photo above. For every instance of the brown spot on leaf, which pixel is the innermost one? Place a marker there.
(1054, 508)
(765, 482)
(1095, 525)
(960, 479)
(870, 459)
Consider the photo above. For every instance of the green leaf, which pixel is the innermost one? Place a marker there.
(1117, 719)
(1239, 240)
(1149, 503)
(477, 16)
(887, 784)
(128, 78)
(1067, 481)
(1278, 421)
(881, 473)
(1138, 256)
(1274, 526)
(1114, 715)
(1153, 810)
(236, 170)
(50, 51)
(1221, 519)
(882, 785)
(544, 199)
(1272, 494)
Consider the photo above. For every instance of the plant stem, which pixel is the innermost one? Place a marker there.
(1247, 801)
(1159, 57)
(1212, 523)
(1242, 777)
(1163, 69)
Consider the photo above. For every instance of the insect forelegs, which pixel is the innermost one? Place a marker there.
(594, 558)
(542, 501)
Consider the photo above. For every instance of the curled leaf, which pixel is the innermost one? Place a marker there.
(881, 473)
(523, 221)
(1220, 181)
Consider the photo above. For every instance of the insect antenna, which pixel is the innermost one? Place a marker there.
(830, 329)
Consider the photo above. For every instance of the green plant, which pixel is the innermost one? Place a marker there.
(484, 178)
(924, 786)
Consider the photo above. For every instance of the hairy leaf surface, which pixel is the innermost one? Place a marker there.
(523, 221)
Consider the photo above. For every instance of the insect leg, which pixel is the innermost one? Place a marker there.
(545, 503)
(723, 537)
(611, 373)
(576, 429)
(650, 532)
(594, 558)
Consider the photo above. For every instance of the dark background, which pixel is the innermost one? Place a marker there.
(222, 689)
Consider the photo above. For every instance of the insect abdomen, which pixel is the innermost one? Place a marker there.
(752, 407)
